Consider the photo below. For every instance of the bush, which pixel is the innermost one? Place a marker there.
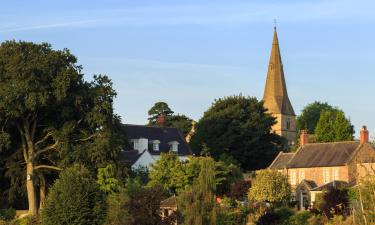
(7, 214)
(333, 202)
(74, 198)
(118, 209)
(28, 220)
(299, 218)
(238, 189)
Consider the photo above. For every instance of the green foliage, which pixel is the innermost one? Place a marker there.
(334, 202)
(300, 218)
(334, 126)
(310, 115)
(51, 115)
(118, 209)
(7, 214)
(159, 108)
(180, 121)
(168, 171)
(270, 186)
(106, 179)
(75, 198)
(363, 200)
(175, 176)
(145, 206)
(28, 220)
(238, 126)
(197, 203)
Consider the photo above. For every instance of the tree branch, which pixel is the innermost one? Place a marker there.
(47, 167)
(49, 134)
(88, 138)
(46, 149)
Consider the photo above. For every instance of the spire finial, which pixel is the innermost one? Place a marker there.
(274, 22)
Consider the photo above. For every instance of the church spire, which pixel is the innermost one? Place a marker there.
(275, 97)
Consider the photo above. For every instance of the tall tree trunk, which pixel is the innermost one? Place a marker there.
(42, 192)
(31, 196)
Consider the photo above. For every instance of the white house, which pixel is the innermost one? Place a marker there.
(146, 143)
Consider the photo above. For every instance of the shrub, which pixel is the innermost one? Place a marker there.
(270, 186)
(299, 218)
(7, 214)
(334, 202)
(118, 209)
(238, 189)
(74, 198)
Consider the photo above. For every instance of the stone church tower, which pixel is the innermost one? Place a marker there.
(276, 98)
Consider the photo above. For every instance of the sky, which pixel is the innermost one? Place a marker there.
(189, 53)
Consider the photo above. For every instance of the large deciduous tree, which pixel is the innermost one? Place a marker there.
(310, 115)
(238, 126)
(334, 126)
(50, 116)
(179, 121)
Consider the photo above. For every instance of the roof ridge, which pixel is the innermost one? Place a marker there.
(150, 126)
(334, 142)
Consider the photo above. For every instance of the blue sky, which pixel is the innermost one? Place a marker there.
(188, 53)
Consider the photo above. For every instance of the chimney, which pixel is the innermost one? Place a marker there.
(304, 137)
(364, 135)
(160, 120)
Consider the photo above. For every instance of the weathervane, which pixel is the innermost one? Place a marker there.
(275, 22)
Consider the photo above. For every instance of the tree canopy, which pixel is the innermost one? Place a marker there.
(310, 115)
(50, 116)
(239, 127)
(270, 186)
(334, 126)
(180, 121)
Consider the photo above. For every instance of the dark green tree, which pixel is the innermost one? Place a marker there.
(159, 108)
(50, 116)
(74, 198)
(238, 126)
(334, 126)
(197, 204)
(310, 115)
(180, 121)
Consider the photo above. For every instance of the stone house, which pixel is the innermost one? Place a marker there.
(315, 167)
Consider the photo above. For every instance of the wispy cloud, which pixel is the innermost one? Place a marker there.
(213, 14)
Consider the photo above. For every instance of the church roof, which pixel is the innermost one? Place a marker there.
(275, 97)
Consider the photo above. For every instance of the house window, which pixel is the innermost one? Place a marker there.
(335, 174)
(135, 144)
(173, 146)
(155, 145)
(301, 175)
(293, 177)
(288, 124)
(325, 175)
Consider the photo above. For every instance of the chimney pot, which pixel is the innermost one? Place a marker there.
(304, 137)
(364, 135)
(160, 120)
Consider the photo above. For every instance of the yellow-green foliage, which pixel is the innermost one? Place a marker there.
(270, 186)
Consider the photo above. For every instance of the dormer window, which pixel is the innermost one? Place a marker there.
(173, 146)
(155, 145)
(135, 144)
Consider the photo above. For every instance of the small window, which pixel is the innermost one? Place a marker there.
(335, 173)
(293, 177)
(155, 145)
(325, 175)
(301, 175)
(288, 124)
(173, 146)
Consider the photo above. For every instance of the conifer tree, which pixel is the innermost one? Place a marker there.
(197, 203)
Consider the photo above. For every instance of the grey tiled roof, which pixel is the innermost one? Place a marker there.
(324, 154)
(281, 160)
(163, 134)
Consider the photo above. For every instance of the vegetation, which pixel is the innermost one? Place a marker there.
(309, 117)
(197, 203)
(51, 117)
(270, 186)
(75, 198)
(180, 121)
(238, 126)
(334, 126)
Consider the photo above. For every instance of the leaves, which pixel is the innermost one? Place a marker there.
(334, 126)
